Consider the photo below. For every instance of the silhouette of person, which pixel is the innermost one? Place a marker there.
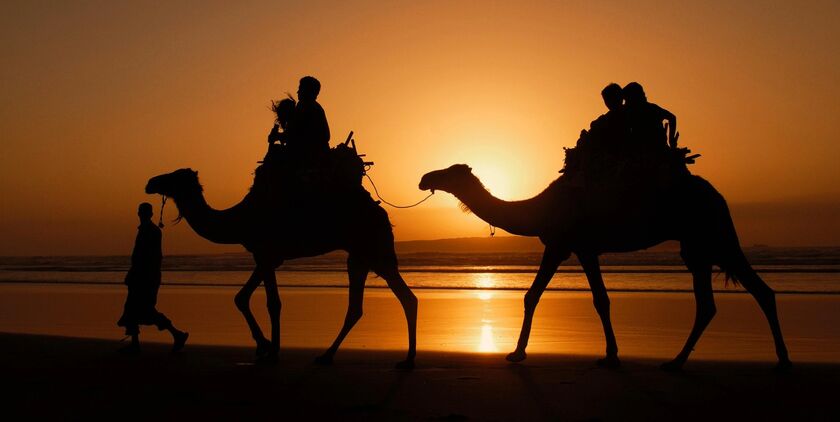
(143, 281)
(284, 109)
(308, 134)
(645, 120)
(608, 127)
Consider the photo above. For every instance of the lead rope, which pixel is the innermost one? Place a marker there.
(395, 206)
(492, 231)
(162, 204)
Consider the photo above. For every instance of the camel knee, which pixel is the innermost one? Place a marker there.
(531, 301)
(408, 301)
(273, 304)
(706, 313)
(354, 315)
(242, 301)
(765, 294)
(602, 305)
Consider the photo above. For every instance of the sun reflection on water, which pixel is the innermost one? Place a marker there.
(484, 280)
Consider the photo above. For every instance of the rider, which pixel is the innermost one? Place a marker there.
(645, 120)
(607, 129)
(308, 134)
(284, 109)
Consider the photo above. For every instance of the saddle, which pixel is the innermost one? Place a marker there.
(591, 167)
(336, 173)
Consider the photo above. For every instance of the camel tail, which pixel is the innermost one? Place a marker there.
(733, 261)
(730, 257)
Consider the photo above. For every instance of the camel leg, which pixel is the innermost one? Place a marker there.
(550, 261)
(766, 298)
(357, 271)
(272, 301)
(705, 311)
(243, 303)
(602, 305)
(409, 304)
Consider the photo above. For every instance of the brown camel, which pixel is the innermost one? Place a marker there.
(313, 226)
(567, 221)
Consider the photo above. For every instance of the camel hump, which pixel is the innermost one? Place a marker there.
(593, 167)
(334, 175)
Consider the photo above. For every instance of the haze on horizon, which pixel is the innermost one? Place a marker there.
(98, 97)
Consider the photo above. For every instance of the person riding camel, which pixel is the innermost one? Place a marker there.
(608, 130)
(644, 120)
(284, 109)
(308, 133)
(605, 137)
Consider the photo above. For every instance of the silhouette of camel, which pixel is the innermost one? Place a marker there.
(361, 228)
(568, 221)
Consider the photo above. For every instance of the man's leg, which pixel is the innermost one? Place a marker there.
(129, 320)
(132, 348)
(179, 338)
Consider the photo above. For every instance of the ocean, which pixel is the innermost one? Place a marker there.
(787, 270)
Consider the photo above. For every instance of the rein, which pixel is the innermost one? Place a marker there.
(162, 204)
(395, 206)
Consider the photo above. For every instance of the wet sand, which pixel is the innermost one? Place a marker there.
(652, 325)
(69, 369)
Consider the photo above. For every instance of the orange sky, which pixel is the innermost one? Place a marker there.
(97, 97)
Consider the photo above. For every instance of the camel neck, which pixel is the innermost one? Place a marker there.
(516, 217)
(217, 226)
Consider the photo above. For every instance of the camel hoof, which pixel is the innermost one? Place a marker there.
(610, 362)
(264, 348)
(672, 366)
(267, 359)
(324, 360)
(516, 356)
(783, 366)
(130, 350)
(180, 341)
(405, 365)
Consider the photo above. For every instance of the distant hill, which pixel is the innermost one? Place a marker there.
(498, 244)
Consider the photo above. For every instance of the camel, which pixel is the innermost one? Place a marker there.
(310, 227)
(567, 221)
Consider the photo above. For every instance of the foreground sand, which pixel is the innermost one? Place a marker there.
(71, 378)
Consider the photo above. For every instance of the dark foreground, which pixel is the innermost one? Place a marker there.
(69, 378)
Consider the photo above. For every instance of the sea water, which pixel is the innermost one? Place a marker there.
(786, 270)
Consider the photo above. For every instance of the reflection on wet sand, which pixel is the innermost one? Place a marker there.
(486, 342)
(651, 325)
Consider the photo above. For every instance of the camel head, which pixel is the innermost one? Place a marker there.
(453, 179)
(174, 184)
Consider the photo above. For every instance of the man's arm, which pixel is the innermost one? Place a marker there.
(322, 126)
(672, 127)
(672, 123)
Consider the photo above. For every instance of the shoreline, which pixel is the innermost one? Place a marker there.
(716, 290)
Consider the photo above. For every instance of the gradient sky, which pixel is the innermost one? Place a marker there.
(98, 96)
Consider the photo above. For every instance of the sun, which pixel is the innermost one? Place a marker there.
(495, 178)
